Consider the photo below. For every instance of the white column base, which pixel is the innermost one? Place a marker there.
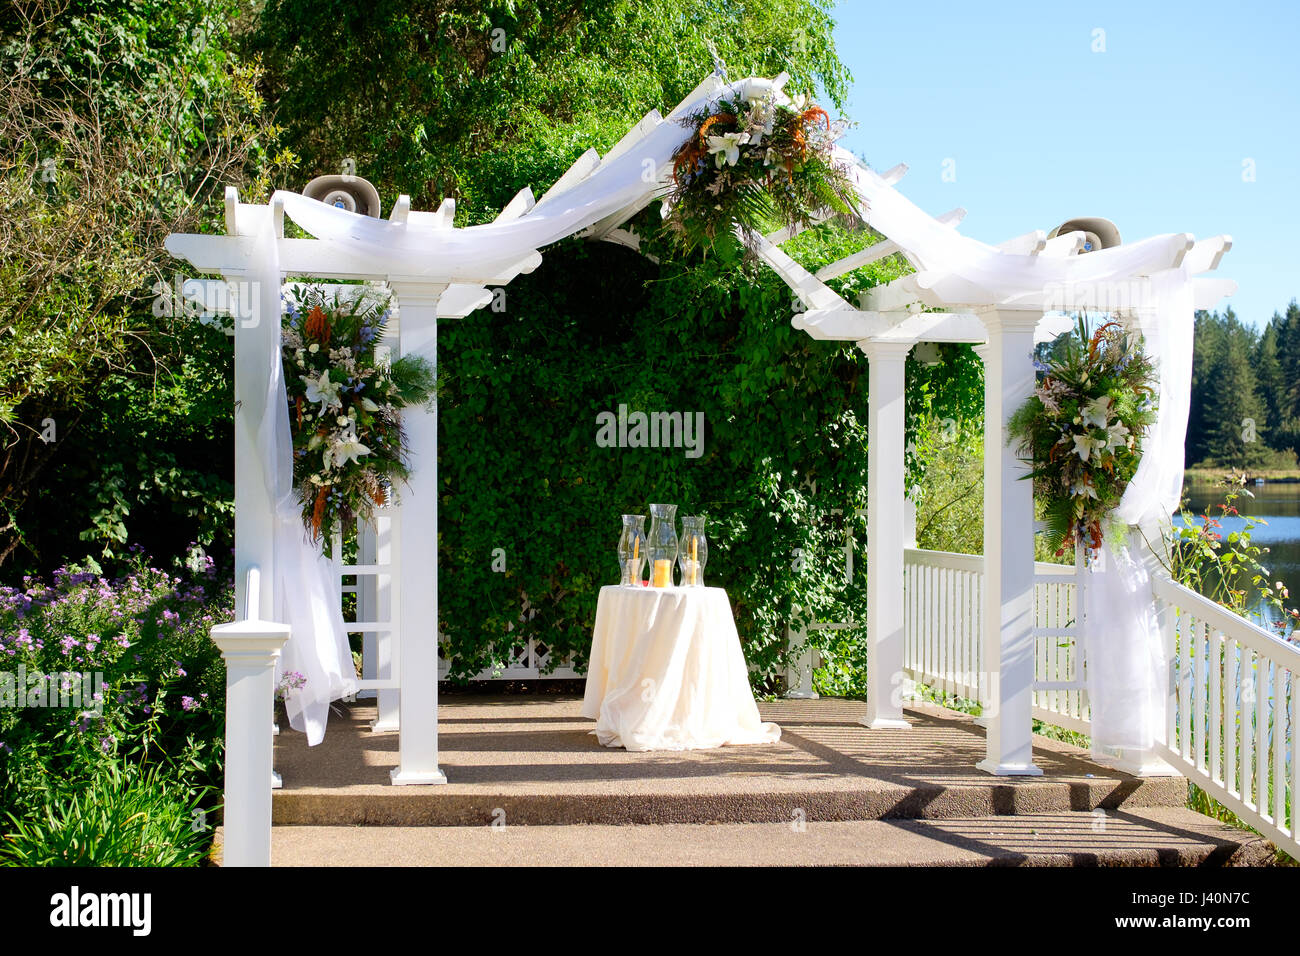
(884, 723)
(1137, 763)
(384, 724)
(981, 722)
(407, 778)
(802, 695)
(1010, 769)
(277, 782)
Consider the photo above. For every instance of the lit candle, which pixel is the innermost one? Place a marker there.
(663, 573)
(695, 559)
(635, 575)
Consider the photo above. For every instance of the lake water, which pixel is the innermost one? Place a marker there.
(1277, 504)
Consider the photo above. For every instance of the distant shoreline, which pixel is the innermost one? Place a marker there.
(1272, 476)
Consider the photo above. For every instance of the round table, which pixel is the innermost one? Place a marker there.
(667, 672)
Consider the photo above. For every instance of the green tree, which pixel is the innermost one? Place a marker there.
(1271, 382)
(1287, 325)
(122, 122)
(476, 100)
(1232, 416)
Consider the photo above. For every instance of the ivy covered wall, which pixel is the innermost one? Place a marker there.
(781, 473)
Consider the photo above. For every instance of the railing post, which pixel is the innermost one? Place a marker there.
(416, 558)
(250, 649)
(886, 504)
(1008, 631)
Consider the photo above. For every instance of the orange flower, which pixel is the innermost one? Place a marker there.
(318, 511)
(812, 113)
(1097, 337)
(318, 325)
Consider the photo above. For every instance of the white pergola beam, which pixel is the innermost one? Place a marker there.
(522, 203)
(306, 257)
(936, 327)
(1065, 245)
(894, 173)
(401, 209)
(1205, 254)
(1030, 244)
(710, 85)
(1206, 293)
(880, 250)
(908, 293)
(812, 292)
(635, 135)
(232, 211)
(582, 167)
(844, 324)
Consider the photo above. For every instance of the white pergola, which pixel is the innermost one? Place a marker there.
(885, 325)
(936, 304)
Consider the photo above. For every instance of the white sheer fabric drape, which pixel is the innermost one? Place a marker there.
(1125, 653)
(305, 582)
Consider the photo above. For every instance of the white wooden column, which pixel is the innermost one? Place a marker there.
(256, 336)
(1008, 631)
(886, 495)
(416, 552)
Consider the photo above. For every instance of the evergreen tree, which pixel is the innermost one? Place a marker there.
(1233, 418)
(1271, 382)
(1288, 354)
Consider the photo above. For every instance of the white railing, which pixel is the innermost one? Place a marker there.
(942, 610)
(1233, 711)
(1233, 704)
(942, 620)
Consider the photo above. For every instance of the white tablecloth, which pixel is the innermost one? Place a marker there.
(667, 672)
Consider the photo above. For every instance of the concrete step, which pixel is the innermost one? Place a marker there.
(1156, 836)
(535, 763)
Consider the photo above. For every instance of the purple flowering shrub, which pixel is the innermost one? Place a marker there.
(146, 683)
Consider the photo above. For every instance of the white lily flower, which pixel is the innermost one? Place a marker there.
(322, 391)
(368, 405)
(1117, 435)
(725, 149)
(1085, 445)
(1083, 489)
(1097, 414)
(347, 448)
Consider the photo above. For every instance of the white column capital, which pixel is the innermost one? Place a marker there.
(416, 293)
(885, 349)
(250, 641)
(1009, 320)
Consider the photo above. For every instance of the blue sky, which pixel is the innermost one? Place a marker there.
(1152, 133)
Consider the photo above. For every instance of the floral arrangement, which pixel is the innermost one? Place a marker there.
(1082, 428)
(344, 403)
(752, 167)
